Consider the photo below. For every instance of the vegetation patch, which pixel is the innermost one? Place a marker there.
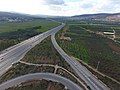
(14, 26)
(76, 46)
(45, 53)
(93, 49)
(38, 85)
(15, 32)
(19, 69)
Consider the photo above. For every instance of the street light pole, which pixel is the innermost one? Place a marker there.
(97, 65)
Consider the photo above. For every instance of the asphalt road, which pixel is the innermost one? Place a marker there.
(38, 76)
(17, 52)
(83, 72)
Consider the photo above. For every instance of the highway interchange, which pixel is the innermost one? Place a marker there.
(38, 76)
(17, 52)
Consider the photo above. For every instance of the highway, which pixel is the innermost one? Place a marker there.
(38, 76)
(82, 72)
(17, 52)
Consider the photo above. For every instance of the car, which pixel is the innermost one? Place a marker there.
(75, 63)
(2, 58)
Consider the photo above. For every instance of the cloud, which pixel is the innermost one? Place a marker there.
(91, 6)
(115, 1)
(61, 7)
(87, 5)
(55, 6)
(54, 2)
(108, 6)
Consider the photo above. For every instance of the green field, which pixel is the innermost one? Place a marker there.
(76, 47)
(92, 48)
(15, 32)
(102, 28)
(14, 26)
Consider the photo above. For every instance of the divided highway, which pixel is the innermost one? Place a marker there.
(82, 72)
(17, 52)
(38, 76)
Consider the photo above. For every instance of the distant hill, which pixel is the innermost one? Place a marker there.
(100, 16)
(15, 17)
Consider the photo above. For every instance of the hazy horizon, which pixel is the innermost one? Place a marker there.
(60, 7)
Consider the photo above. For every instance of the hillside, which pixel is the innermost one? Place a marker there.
(100, 16)
(15, 17)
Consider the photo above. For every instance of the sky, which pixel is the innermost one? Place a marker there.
(60, 7)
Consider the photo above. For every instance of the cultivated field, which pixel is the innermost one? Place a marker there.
(92, 48)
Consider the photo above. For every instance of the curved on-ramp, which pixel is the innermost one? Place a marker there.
(38, 76)
(82, 72)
